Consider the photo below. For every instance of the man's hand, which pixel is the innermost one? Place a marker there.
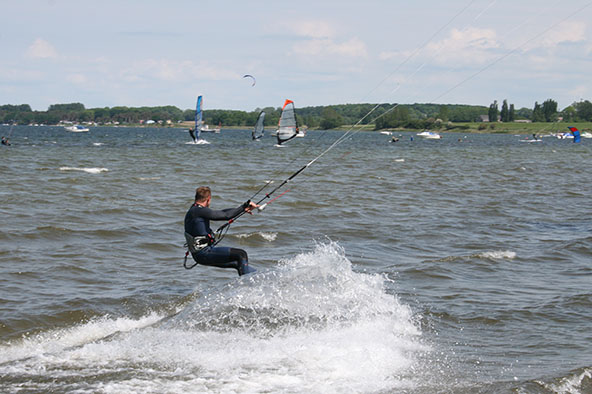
(249, 208)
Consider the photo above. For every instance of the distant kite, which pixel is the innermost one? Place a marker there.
(250, 76)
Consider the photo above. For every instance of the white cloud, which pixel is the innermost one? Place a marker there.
(565, 33)
(313, 29)
(12, 75)
(42, 49)
(351, 48)
(389, 55)
(468, 46)
(77, 79)
(318, 37)
(580, 91)
(171, 70)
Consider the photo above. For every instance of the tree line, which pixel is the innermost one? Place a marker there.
(413, 116)
(545, 112)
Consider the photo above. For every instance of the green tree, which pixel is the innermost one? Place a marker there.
(66, 107)
(443, 114)
(493, 112)
(505, 112)
(569, 114)
(331, 119)
(511, 113)
(550, 110)
(584, 110)
(537, 113)
(524, 113)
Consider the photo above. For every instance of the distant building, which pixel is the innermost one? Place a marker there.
(523, 121)
(150, 121)
(483, 118)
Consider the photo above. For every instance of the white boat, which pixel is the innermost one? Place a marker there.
(76, 128)
(586, 134)
(429, 135)
(563, 136)
(206, 129)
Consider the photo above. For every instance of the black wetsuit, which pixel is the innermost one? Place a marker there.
(197, 224)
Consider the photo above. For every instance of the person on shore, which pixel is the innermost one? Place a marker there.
(200, 237)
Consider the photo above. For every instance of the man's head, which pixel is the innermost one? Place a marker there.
(203, 195)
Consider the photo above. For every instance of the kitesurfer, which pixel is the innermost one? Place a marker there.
(5, 141)
(192, 134)
(200, 237)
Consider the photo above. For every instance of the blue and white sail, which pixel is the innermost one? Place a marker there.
(198, 118)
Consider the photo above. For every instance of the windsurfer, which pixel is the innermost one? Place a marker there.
(5, 141)
(192, 134)
(200, 237)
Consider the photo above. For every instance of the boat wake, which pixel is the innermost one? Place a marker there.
(89, 170)
(198, 142)
(269, 237)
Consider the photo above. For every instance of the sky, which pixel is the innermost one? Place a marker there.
(150, 53)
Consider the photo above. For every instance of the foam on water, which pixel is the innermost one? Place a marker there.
(576, 383)
(198, 142)
(498, 254)
(59, 341)
(90, 170)
(311, 325)
(150, 178)
(268, 236)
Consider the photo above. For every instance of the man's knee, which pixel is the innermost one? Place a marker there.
(239, 253)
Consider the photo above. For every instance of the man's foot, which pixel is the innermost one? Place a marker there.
(245, 269)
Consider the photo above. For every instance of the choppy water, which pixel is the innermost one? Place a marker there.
(417, 266)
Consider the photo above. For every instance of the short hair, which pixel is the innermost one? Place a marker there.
(202, 193)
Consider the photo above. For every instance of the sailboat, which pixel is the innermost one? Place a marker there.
(259, 127)
(196, 132)
(288, 125)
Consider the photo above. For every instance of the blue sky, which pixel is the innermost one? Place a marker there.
(147, 53)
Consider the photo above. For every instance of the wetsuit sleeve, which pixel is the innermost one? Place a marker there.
(221, 214)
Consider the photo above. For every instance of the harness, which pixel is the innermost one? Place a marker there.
(195, 245)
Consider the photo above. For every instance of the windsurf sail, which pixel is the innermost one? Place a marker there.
(259, 128)
(198, 117)
(576, 134)
(288, 126)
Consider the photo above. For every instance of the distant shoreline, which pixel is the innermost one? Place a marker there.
(460, 127)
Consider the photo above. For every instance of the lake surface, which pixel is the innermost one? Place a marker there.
(462, 265)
